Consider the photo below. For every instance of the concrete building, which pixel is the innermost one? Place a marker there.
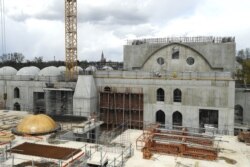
(177, 81)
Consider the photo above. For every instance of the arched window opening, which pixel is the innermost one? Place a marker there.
(238, 114)
(107, 89)
(16, 93)
(208, 117)
(160, 117)
(160, 94)
(177, 118)
(17, 107)
(175, 53)
(177, 95)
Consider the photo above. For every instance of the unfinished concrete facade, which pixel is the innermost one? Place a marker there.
(176, 81)
(183, 83)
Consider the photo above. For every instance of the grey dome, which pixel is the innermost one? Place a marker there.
(62, 68)
(79, 69)
(7, 70)
(91, 68)
(49, 71)
(31, 70)
(107, 68)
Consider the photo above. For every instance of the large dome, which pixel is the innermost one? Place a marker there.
(36, 124)
(31, 70)
(49, 71)
(7, 70)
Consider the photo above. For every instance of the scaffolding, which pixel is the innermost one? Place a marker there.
(118, 105)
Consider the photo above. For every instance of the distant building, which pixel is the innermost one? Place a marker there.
(103, 59)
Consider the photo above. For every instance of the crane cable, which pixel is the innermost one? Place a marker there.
(3, 33)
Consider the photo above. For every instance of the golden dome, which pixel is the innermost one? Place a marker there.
(36, 124)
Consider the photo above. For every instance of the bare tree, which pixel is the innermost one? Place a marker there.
(12, 57)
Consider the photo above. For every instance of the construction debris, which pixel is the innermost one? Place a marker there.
(176, 142)
(244, 137)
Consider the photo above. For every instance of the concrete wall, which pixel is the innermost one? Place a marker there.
(218, 55)
(27, 89)
(85, 96)
(26, 92)
(242, 98)
(196, 94)
(177, 65)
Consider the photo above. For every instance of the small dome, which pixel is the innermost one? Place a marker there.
(49, 71)
(7, 70)
(107, 68)
(62, 68)
(79, 69)
(91, 68)
(36, 124)
(31, 70)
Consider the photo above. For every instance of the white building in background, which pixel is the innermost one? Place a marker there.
(178, 81)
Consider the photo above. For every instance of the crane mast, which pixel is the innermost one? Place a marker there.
(71, 39)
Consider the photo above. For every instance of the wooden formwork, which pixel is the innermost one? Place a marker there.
(180, 143)
(120, 106)
(46, 151)
(244, 137)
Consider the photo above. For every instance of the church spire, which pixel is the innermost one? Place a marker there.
(103, 58)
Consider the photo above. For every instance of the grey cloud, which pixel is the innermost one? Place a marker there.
(159, 11)
(54, 12)
(19, 17)
(105, 16)
(138, 30)
(167, 10)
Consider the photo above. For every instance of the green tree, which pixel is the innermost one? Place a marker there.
(246, 71)
(243, 54)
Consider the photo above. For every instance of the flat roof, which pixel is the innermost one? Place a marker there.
(45, 151)
(59, 89)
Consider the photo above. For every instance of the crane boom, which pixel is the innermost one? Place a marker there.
(71, 38)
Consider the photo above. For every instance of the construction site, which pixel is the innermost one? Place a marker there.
(76, 144)
(174, 104)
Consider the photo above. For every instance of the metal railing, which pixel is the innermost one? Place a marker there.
(198, 39)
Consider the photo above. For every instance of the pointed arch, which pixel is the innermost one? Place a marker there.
(160, 95)
(177, 118)
(107, 89)
(160, 117)
(177, 95)
(16, 92)
(17, 106)
(238, 114)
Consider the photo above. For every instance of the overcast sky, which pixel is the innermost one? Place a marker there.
(36, 27)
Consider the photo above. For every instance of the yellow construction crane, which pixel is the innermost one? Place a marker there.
(71, 39)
